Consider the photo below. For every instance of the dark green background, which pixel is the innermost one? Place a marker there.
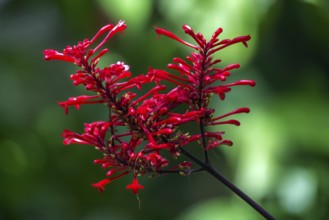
(281, 150)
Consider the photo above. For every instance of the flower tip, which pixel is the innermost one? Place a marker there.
(246, 38)
(48, 53)
(121, 24)
(243, 110)
(246, 82)
(227, 143)
(252, 83)
(47, 57)
(187, 29)
(159, 31)
(216, 33)
(233, 122)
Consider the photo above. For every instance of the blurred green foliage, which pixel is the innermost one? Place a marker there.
(281, 151)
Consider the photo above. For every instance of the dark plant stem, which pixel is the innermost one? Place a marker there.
(210, 169)
(204, 145)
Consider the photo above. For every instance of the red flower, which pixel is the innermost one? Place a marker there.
(135, 186)
(78, 54)
(101, 184)
(94, 135)
(80, 100)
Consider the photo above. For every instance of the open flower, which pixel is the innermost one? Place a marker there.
(135, 186)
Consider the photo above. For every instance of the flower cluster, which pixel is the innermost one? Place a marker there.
(152, 122)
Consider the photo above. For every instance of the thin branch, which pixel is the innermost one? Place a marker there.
(179, 171)
(230, 185)
(203, 140)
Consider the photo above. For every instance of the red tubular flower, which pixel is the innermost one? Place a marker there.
(156, 160)
(135, 186)
(78, 54)
(79, 100)
(161, 31)
(81, 77)
(112, 30)
(215, 144)
(94, 135)
(236, 111)
(231, 122)
(153, 91)
(50, 54)
(225, 43)
(101, 184)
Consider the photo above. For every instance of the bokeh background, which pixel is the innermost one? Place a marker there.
(281, 150)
